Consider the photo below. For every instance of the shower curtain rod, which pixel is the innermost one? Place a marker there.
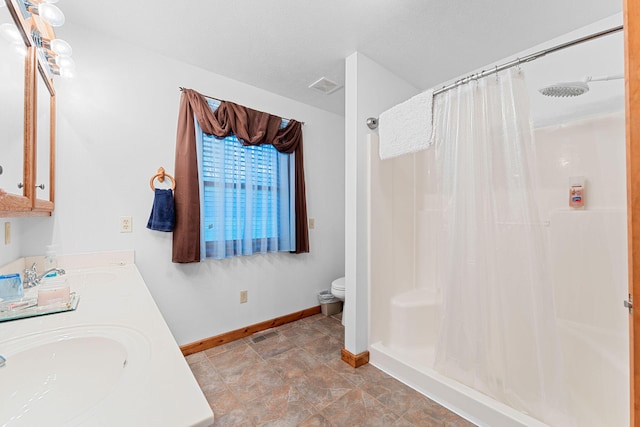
(373, 122)
(528, 58)
(222, 100)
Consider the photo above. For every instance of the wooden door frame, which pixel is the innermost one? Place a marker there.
(632, 105)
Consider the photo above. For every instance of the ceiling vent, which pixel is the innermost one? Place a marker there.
(324, 85)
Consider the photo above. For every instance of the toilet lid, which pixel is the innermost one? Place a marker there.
(338, 284)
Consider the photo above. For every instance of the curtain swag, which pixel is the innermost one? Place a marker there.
(252, 127)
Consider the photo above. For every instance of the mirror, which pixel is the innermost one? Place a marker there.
(44, 136)
(12, 97)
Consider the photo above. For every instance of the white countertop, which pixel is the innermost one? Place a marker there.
(115, 294)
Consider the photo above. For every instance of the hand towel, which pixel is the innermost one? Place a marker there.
(407, 127)
(162, 216)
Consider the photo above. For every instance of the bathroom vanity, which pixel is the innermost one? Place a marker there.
(112, 361)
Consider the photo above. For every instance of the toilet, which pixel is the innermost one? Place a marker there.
(337, 290)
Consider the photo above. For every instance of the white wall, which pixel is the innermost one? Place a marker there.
(116, 125)
(370, 90)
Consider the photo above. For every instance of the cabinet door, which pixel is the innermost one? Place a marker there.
(45, 142)
(12, 115)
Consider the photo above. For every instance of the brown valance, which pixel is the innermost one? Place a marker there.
(252, 127)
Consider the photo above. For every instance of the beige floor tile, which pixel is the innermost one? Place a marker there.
(358, 408)
(321, 385)
(330, 326)
(316, 420)
(272, 346)
(324, 348)
(393, 394)
(221, 400)
(359, 376)
(429, 412)
(293, 363)
(204, 372)
(236, 418)
(255, 381)
(196, 358)
(284, 406)
(234, 362)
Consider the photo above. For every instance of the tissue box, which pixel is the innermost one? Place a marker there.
(11, 287)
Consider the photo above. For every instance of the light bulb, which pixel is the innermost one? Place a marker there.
(60, 47)
(51, 14)
(67, 73)
(65, 62)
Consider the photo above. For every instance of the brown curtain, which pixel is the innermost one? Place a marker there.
(252, 128)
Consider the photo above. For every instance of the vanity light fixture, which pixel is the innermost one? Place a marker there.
(51, 14)
(57, 53)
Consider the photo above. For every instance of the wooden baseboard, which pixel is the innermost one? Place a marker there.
(355, 360)
(207, 343)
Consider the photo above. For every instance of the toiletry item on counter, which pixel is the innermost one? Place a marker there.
(11, 287)
(53, 295)
(20, 304)
(51, 261)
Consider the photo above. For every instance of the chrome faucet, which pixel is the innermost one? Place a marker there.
(32, 278)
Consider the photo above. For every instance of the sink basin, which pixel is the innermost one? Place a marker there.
(65, 376)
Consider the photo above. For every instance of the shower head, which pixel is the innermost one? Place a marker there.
(565, 89)
(570, 89)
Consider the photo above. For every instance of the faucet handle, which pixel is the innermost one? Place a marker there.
(30, 274)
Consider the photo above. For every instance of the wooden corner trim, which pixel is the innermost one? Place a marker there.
(237, 334)
(355, 360)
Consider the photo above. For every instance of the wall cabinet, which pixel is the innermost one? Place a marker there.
(27, 118)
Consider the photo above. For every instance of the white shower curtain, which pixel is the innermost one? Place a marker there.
(498, 330)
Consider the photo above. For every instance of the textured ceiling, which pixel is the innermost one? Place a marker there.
(284, 45)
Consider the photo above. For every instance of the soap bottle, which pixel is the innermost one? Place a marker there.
(50, 261)
(576, 192)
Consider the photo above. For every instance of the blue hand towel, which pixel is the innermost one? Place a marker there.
(163, 215)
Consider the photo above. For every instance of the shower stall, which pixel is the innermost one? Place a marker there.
(488, 292)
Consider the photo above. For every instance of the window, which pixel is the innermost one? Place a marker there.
(247, 197)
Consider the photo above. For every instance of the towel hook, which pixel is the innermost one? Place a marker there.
(161, 175)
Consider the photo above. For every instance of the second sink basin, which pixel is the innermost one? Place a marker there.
(57, 377)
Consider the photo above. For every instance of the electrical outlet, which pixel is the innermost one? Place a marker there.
(312, 223)
(244, 296)
(7, 233)
(126, 224)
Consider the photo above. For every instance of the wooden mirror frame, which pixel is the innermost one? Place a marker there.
(13, 205)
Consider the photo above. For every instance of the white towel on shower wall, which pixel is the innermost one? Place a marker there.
(407, 127)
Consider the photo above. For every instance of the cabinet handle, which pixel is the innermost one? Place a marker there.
(41, 186)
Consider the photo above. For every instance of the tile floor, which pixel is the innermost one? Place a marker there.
(295, 377)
